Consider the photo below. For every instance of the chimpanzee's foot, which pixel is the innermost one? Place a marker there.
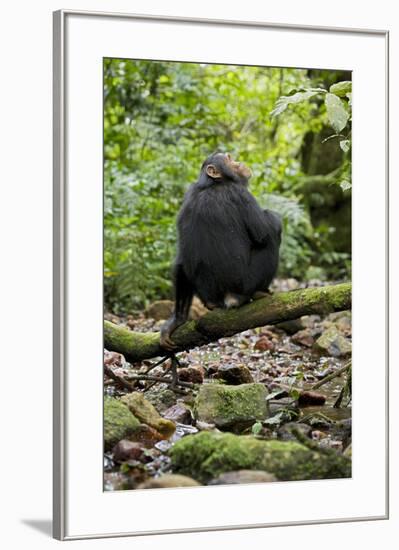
(167, 329)
(167, 343)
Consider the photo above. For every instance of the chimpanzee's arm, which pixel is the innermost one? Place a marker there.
(183, 297)
(257, 221)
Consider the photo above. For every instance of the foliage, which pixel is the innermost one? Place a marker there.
(338, 107)
(161, 120)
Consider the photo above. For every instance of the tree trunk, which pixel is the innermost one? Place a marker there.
(278, 307)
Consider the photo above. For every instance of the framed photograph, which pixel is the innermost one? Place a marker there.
(220, 247)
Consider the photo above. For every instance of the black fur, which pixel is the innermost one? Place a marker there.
(227, 244)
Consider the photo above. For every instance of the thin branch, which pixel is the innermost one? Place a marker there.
(127, 385)
(333, 375)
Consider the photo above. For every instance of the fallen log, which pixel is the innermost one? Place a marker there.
(274, 308)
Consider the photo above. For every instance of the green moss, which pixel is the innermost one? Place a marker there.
(206, 455)
(134, 346)
(145, 411)
(234, 407)
(273, 309)
(119, 422)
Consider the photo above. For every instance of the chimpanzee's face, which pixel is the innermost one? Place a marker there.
(222, 167)
(238, 167)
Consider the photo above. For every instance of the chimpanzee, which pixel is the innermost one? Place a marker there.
(228, 247)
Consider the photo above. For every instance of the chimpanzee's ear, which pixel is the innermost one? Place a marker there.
(213, 172)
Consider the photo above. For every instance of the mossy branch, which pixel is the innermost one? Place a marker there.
(278, 307)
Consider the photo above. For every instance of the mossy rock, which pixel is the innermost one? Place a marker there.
(119, 422)
(206, 455)
(331, 342)
(231, 407)
(145, 411)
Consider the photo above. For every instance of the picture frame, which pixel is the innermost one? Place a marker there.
(81, 40)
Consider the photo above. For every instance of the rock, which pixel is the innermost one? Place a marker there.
(331, 342)
(179, 413)
(119, 422)
(264, 344)
(304, 338)
(234, 374)
(318, 435)
(205, 426)
(342, 320)
(243, 476)
(195, 375)
(163, 309)
(113, 358)
(295, 325)
(168, 480)
(206, 455)
(147, 413)
(307, 398)
(344, 324)
(127, 450)
(342, 430)
(285, 433)
(116, 481)
(231, 407)
(161, 397)
(328, 443)
(160, 310)
(337, 315)
(146, 436)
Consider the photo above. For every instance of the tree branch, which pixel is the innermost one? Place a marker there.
(282, 306)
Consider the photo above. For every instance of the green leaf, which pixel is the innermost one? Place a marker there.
(336, 112)
(349, 96)
(283, 101)
(341, 89)
(345, 185)
(256, 428)
(345, 145)
(294, 393)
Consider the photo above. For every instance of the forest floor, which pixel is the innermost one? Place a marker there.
(288, 359)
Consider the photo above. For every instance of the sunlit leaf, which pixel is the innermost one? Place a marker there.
(345, 145)
(345, 185)
(341, 89)
(256, 428)
(283, 101)
(338, 116)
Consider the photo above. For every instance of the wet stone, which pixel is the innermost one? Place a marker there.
(161, 397)
(231, 407)
(307, 398)
(195, 375)
(179, 413)
(128, 450)
(304, 338)
(285, 432)
(169, 481)
(332, 342)
(243, 476)
(234, 374)
(264, 344)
